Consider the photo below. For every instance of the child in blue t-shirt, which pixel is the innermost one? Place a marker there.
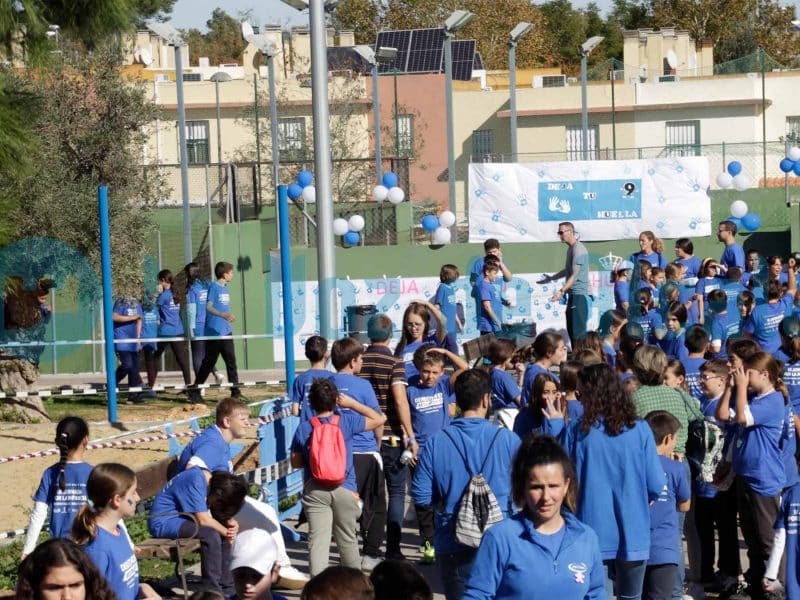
(622, 286)
(673, 342)
(549, 350)
(506, 393)
(111, 489)
(490, 305)
(684, 254)
(697, 340)
(649, 318)
(764, 322)
(62, 489)
(665, 537)
(445, 301)
(127, 318)
(720, 326)
(786, 542)
(317, 354)
(149, 332)
(170, 325)
(196, 300)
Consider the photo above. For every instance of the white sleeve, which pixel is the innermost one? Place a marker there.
(196, 461)
(774, 562)
(748, 417)
(38, 517)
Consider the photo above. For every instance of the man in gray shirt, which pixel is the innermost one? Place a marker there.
(576, 286)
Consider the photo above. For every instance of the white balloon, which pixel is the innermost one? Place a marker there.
(396, 195)
(310, 194)
(447, 219)
(340, 226)
(724, 180)
(442, 235)
(794, 153)
(380, 193)
(741, 182)
(356, 222)
(738, 208)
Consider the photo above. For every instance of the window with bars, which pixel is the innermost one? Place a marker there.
(793, 130)
(575, 142)
(405, 135)
(682, 138)
(196, 142)
(292, 138)
(482, 144)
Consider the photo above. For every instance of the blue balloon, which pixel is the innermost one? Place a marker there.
(787, 164)
(796, 168)
(751, 221)
(304, 178)
(430, 222)
(294, 191)
(351, 238)
(390, 179)
(736, 221)
(734, 168)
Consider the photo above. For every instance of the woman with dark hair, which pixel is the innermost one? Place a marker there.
(618, 473)
(530, 418)
(416, 331)
(544, 542)
(59, 569)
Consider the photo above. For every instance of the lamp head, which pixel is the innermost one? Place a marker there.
(458, 20)
(519, 31)
(166, 32)
(265, 42)
(220, 77)
(386, 54)
(591, 44)
(366, 52)
(329, 5)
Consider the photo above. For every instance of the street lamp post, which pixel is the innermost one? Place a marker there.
(171, 35)
(513, 39)
(455, 22)
(217, 78)
(586, 49)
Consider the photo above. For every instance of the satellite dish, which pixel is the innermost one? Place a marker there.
(247, 29)
(145, 57)
(672, 59)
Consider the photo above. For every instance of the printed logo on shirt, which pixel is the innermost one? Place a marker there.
(430, 403)
(224, 297)
(579, 570)
(130, 571)
(792, 518)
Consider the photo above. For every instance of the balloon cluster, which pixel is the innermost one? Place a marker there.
(733, 177)
(303, 188)
(742, 217)
(349, 229)
(438, 226)
(791, 164)
(388, 190)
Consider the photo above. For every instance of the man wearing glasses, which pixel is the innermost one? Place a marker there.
(576, 286)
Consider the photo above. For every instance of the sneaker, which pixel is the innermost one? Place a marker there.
(290, 578)
(694, 591)
(219, 377)
(135, 399)
(428, 554)
(370, 562)
(736, 592)
(150, 394)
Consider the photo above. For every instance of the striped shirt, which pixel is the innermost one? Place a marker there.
(383, 370)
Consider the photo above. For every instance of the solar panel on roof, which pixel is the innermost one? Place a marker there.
(478, 64)
(394, 39)
(463, 59)
(425, 50)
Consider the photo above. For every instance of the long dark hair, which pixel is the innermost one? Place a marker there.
(192, 271)
(604, 400)
(70, 433)
(59, 552)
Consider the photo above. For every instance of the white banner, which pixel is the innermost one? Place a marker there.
(605, 199)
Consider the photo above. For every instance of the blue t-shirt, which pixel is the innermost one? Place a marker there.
(789, 519)
(351, 424)
(707, 284)
(622, 293)
(708, 406)
(362, 391)
(198, 296)
(169, 312)
(504, 389)
(126, 331)
(113, 555)
(446, 299)
(650, 322)
(302, 384)
(788, 446)
(149, 326)
(692, 368)
(722, 327)
(186, 492)
(429, 408)
(733, 256)
(732, 290)
(220, 299)
(63, 505)
(757, 457)
(791, 378)
(574, 410)
(692, 266)
(407, 354)
(531, 371)
(531, 420)
(656, 259)
(765, 321)
(211, 448)
(488, 292)
(673, 344)
(611, 354)
(665, 539)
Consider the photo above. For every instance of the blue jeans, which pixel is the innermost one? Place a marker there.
(626, 576)
(454, 569)
(129, 367)
(396, 476)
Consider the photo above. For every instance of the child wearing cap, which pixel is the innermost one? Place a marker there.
(253, 565)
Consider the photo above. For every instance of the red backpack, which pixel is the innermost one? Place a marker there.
(327, 453)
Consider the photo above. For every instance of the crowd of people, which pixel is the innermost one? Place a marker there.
(532, 473)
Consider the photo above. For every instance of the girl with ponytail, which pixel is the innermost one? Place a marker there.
(62, 489)
(98, 527)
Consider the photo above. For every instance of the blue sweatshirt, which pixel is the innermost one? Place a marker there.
(757, 456)
(440, 480)
(618, 476)
(511, 558)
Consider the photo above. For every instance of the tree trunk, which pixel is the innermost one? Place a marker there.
(18, 375)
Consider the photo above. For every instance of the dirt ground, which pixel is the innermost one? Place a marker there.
(19, 479)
